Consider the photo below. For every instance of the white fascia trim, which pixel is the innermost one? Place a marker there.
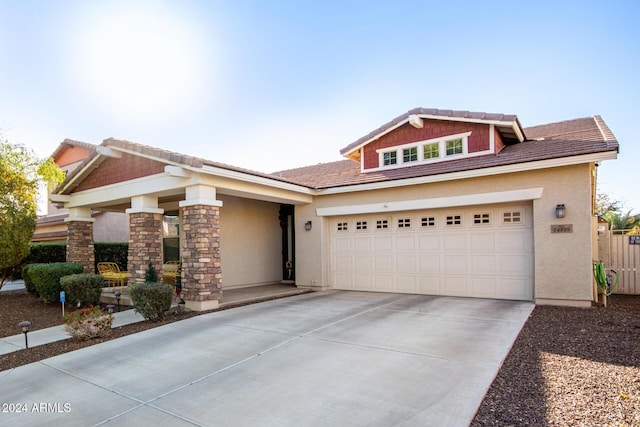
(435, 203)
(424, 142)
(475, 173)
(59, 198)
(75, 178)
(108, 152)
(205, 202)
(144, 210)
(467, 120)
(253, 179)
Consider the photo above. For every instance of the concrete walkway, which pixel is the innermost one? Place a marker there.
(326, 358)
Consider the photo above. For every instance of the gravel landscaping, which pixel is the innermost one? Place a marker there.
(568, 366)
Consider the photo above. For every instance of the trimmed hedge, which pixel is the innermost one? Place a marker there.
(46, 278)
(111, 252)
(28, 283)
(151, 300)
(40, 253)
(85, 288)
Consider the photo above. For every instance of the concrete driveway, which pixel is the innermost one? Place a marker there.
(322, 359)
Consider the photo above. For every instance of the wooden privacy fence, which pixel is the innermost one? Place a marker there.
(625, 259)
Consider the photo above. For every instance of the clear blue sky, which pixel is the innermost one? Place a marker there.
(272, 85)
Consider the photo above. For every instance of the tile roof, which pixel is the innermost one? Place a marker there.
(72, 143)
(556, 140)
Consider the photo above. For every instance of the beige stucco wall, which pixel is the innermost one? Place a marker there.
(562, 261)
(250, 242)
(111, 227)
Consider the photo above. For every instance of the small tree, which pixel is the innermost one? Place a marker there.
(150, 276)
(20, 176)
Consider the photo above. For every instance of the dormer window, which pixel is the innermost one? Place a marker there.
(431, 151)
(410, 155)
(454, 146)
(428, 151)
(390, 158)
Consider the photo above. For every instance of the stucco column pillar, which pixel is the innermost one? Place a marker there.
(145, 238)
(80, 238)
(201, 265)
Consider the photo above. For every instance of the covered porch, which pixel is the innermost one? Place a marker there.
(229, 229)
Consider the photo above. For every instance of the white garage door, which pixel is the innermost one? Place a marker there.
(483, 251)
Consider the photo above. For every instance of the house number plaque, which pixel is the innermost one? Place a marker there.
(562, 228)
(634, 240)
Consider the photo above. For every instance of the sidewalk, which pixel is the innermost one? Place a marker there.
(57, 333)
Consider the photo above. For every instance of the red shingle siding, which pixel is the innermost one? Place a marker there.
(499, 143)
(405, 134)
(126, 168)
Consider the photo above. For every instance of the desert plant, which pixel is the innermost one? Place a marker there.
(87, 323)
(151, 300)
(85, 288)
(28, 283)
(46, 277)
(150, 276)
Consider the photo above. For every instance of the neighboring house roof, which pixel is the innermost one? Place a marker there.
(72, 143)
(587, 135)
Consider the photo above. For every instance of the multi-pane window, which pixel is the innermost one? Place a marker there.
(454, 146)
(361, 225)
(454, 219)
(512, 217)
(382, 224)
(429, 221)
(342, 226)
(432, 151)
(482, 218)
(410, 155)
(404, 223)
(390, 158)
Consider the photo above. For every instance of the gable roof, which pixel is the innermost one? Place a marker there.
(589, 135)
(507, 124)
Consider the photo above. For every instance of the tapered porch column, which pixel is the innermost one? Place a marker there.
(201, 266)
(80, 238)
(145, 238)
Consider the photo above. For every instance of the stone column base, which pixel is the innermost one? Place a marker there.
(201, 305)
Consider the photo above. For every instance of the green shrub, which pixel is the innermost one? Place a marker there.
(28, 283)
(85, 288)
(151, 300)
(111, 252)
(46, 278)
(87, 323)
(41, 253)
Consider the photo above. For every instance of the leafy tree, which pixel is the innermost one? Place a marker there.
(628, 222)
(21, 173)
(605, 205)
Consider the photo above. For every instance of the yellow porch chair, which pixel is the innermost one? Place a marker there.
(112, 274)
(170, 270)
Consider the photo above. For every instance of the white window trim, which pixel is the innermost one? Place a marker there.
(441, 141)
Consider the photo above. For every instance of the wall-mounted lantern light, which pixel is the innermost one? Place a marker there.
(308, 225)
(560, 211)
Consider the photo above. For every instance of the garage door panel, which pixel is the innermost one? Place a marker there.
(362, 263)
(383, 283)
(455, 286)
(483, 263)
(483, 241)
(406, 264)
(405, 243)
(362, 282)
(406, 283)
(484, 287)
(455, 263)
(430, 264)
(454, 242)
(481, 255)
(383, 243)
(383, 263)
(430, 285)
(429, 243)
